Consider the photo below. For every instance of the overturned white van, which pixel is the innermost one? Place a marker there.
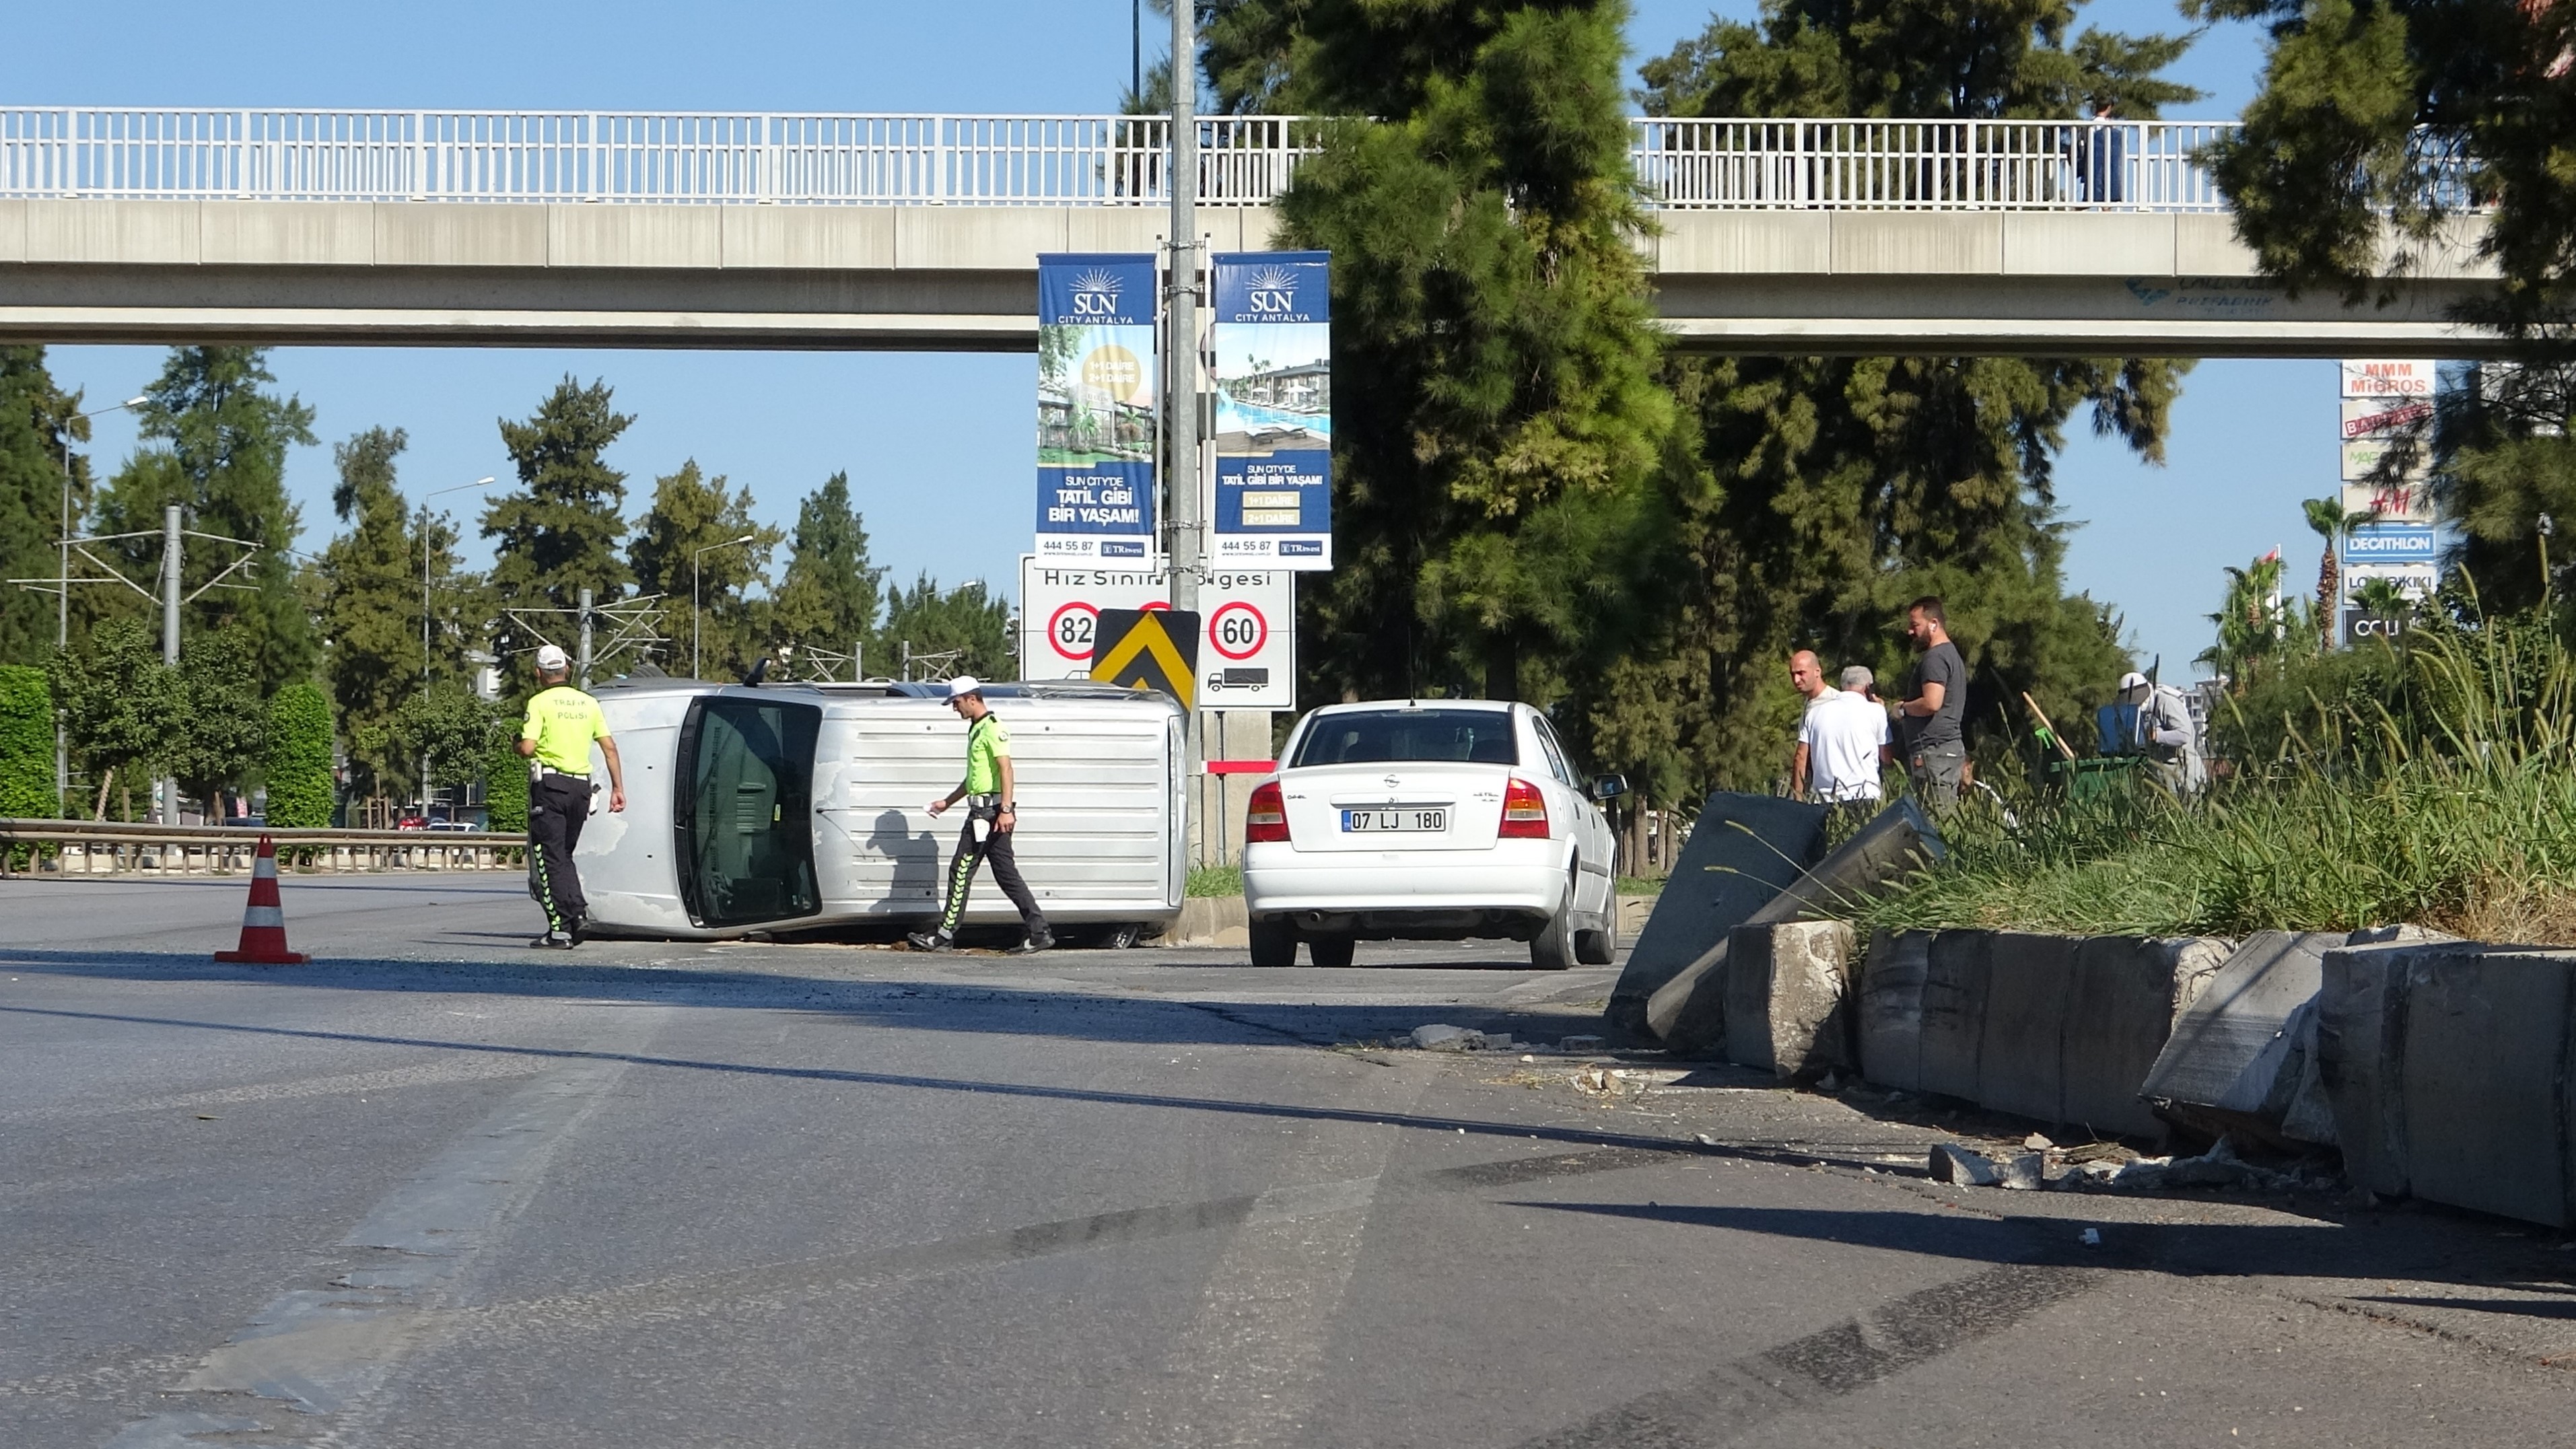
(795, 807)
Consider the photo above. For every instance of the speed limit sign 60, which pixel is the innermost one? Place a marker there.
(1237, 630)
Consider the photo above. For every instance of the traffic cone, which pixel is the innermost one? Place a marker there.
(263, 939)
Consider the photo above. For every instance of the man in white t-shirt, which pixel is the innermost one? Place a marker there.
(1844, 738)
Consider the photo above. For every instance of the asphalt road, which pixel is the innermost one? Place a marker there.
(438, 1189)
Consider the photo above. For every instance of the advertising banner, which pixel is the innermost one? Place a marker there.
(2373, 417)
(2393, 502)
(2366, 458)
(1248, 626)
(2380, 378)
(1097, 386)
(1270, 349)
(2389, 543)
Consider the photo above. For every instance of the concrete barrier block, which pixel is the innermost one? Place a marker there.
(2020, 1060)
(2127, 994)
(1955, 974)
(1788, 993)
(2482, 1079)
(1889, 1014)
(1744, 850)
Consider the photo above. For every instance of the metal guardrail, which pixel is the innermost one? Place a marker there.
(81, 847)
(1067, 160)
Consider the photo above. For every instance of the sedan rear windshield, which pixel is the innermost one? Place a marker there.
(1368, 737)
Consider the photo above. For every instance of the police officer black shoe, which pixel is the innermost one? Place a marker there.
(554, 941)
(1033, 945)
(929, 941)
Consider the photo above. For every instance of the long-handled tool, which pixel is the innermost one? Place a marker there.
(2054, 737)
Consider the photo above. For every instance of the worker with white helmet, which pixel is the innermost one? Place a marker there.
(991, 793)
(2165, 733)
(556, 736)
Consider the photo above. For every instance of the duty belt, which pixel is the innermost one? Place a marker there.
(984, 802)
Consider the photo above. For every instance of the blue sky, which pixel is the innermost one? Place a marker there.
(936, 445)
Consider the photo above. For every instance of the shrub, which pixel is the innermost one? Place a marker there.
(505, 785)
(27, 745)
(299, 758)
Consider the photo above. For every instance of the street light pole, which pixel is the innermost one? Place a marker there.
(696, 633)
(485, 482)
(63, 596)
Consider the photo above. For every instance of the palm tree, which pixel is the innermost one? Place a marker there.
(2327, 517)
(2383, 600)
(2252, 623)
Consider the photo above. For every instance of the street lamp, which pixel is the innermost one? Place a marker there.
(63, 603)
(424, 617)
(696, 632)
(424, 565)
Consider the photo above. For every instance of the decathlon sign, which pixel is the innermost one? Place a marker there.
(2390, 543)
(1247, 634)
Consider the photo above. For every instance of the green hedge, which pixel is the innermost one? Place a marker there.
(505, 785)
(299, 758)
(27, 745)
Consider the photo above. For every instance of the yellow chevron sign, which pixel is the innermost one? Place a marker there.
(1148, 649)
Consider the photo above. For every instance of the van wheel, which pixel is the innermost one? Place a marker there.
(1330, 951)
(1273, 944)
(1552, 949)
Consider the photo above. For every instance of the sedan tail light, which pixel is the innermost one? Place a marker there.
(1524, 812)
(1265, 821)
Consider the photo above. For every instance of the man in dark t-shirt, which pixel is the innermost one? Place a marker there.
(1936, 695)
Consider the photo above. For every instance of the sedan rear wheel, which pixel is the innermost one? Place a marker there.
(1330, 951)
(1274, 943)
(1552, 949)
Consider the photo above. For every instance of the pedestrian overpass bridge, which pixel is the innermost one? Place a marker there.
(922, 232)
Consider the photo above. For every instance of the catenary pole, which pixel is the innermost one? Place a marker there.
(170, 636)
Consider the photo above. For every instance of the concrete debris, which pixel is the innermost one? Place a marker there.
(1953, 1163)
(2091, 1238)
(2026, 1173)
(1830, 1083)
(1745, 850)
(2218, 1167)
(1441, 1037)
(1580, 1044)
(2037, 1143)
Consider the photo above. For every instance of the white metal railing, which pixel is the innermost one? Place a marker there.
(1097, 160)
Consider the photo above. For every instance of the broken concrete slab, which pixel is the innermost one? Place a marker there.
(1441, 1037)
(1742, 852)
(2447, 1065)
(1688, 1010)
(1953, 1163)
(1788, 994)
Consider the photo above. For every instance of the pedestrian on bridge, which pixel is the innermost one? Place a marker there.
(556, 736)
(991, 793)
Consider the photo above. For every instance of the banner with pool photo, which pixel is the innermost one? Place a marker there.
(1097, 391)
(1270, 349)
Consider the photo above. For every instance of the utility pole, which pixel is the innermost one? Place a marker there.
(1181, 352)
(581, 661)
(170, 635)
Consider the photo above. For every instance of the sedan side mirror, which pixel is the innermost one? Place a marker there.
(1609, 787)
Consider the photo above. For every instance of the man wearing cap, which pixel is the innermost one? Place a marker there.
(2165, 733)
(555, 734)
(990, 791)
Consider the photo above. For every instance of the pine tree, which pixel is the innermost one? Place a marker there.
(370, 611)
(684, 551)
(221, 730)
(967, 619)
(34, 415)
(215, 443)
(1488, 289)
(560, 532)
(831, 594)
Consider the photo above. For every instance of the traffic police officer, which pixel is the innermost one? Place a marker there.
(555, 735)
(990, 790)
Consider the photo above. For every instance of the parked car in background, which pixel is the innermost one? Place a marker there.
(246, 822)
(1429, 820)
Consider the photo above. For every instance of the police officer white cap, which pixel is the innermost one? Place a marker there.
(551, 657)
(963, 685)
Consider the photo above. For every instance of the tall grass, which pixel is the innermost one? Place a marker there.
(2431, 783)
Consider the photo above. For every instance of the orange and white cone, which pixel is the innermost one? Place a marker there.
(263, 938)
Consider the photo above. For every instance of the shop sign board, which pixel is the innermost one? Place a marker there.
(2382, 378)
(2366, 458)
(2380, 543)
(2393, 502)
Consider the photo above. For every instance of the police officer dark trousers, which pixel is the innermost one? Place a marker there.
(989, 792)
(556, 736)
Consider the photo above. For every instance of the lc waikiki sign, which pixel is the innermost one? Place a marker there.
(1270, 346)
(1097, 404)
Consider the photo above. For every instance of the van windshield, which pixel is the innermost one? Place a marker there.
(745, 821)
(1375, 736)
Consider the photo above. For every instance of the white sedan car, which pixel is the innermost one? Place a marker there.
(1429, 820)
